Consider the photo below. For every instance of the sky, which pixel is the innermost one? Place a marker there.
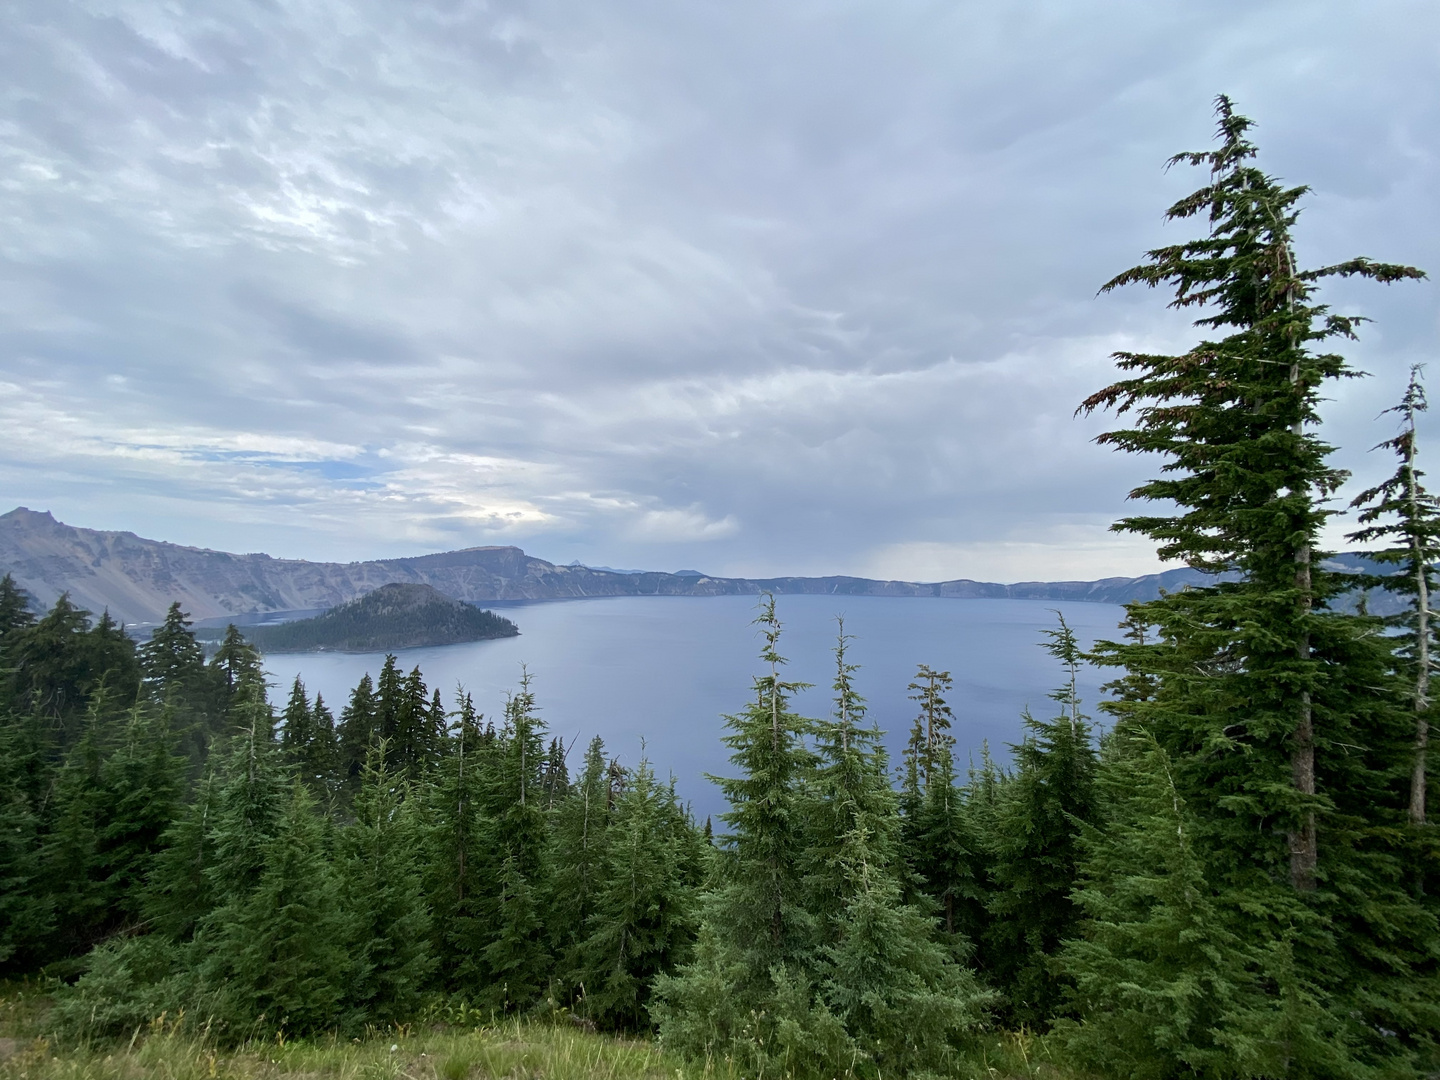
(742, 287)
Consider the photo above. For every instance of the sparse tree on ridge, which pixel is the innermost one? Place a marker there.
(1401, 511)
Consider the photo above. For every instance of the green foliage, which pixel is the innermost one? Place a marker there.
(580, 862)
(395, 616)
(1036, 852)
(279, 954)
(389, 921)
(642, 921)
(1162, 984)
(307, 740)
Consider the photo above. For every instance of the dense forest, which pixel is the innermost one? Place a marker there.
(1234, 876)
(400, 615)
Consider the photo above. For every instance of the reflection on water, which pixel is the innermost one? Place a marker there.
(665, 669)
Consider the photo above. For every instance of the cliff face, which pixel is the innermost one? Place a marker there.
(137, 579)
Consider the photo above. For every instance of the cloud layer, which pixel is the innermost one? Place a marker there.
(747, 287)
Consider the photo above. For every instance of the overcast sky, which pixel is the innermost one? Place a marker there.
(728, 285)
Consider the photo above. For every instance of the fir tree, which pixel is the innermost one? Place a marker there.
(15, 613)
(238, 665)
(747, 986)
(279, 957)
(642, 922)
(359, 725)
(178, 893)
(1161, 983)
(1280, 716)
(140, 787)
(1401, 511)
(455, 882)
(26, 908)
(172, 661)
(1036, 848)
(516, 956)
(389, 919)
(307, 740)
(581, 840)
(251, 796)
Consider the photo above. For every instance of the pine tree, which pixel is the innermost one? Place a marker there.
(178, 893)
(389, 921)
(1161, 983)
(307, 740)
(140, 785)
(26, 909)
(359, 725)
(642, 924)
(1401, 511)
(455, 882)
(1036, 853)
(1281, 717)
(581, 843)
(747, 991)
(516, 956)
(279, 958)
(15, 613)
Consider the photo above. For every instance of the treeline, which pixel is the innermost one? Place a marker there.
(1237, 879)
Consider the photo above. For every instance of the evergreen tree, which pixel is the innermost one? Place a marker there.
(15, 613)
(747, 989)
(581, 843)
(172, 661)
(1281, 717)
(1036, 848)
(455, 882)
(26, 908)
(516, 957)
(238, 665)
(58, 665)
(179, 892)
(69, 856)
(389, 919)
(138, 798)
(308, 740)
(251, 786)
(1162, 985)
(642, 922)
(410, 725)
(1401, 511)
(359, 725)
(279, 957)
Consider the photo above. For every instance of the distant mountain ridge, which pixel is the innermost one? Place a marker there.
(137, 579)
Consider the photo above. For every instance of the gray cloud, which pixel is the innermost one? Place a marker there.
(754, 288)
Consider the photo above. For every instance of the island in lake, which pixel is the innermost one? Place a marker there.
(401, 615)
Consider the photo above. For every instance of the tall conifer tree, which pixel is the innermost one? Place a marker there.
(1280, 716)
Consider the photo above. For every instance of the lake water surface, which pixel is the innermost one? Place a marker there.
(666, 669)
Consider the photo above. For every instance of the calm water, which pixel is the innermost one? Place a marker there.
(665, 669)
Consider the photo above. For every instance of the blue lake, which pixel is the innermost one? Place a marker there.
(665, 670)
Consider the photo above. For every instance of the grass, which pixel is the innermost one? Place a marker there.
(509, 1050)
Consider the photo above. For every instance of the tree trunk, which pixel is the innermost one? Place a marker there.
(1422, 646)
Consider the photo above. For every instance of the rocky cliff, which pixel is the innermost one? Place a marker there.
(137, 579)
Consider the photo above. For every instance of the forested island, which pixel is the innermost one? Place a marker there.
(1237, 876)
(400, 615)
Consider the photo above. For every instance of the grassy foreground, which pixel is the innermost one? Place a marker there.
(509, 1050)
